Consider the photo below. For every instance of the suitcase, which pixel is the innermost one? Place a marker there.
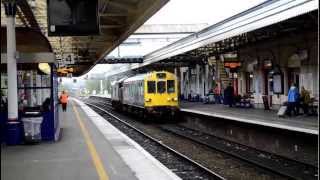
(282, 111)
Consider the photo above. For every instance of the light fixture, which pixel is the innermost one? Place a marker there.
(44, 67)
(251, 75)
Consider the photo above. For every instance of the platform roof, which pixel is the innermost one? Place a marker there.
(233, 31)
(118, 20)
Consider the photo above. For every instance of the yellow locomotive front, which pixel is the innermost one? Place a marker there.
(161, 93)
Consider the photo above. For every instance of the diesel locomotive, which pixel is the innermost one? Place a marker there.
(154, 93)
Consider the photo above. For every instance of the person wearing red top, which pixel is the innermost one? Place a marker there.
(217, 94)
(64, 101)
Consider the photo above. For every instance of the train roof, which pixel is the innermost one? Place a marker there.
(118, 81)
(135, 78)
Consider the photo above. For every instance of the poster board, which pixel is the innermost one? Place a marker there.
(277, 84)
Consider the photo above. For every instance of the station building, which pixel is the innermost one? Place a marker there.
(263, 68)
(261, 52)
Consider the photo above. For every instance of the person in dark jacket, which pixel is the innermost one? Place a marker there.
(46, 105)
(228, 95)
(305, 100)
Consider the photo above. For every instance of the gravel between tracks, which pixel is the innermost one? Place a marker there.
(228, 167)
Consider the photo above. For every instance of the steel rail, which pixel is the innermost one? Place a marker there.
(260, 164)
(160, 143)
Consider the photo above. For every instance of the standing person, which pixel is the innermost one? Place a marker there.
(64, 101)
(305, 100)
(216, 93)
(293, 96)
(228, 95)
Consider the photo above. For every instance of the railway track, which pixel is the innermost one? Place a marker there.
(276, 164)
(290, 169)
(180, 164)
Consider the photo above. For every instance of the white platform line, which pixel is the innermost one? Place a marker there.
(280, 126)
(144, 165)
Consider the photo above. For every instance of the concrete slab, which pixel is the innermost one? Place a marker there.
(148, 167)
(70, 158)
(305, 124)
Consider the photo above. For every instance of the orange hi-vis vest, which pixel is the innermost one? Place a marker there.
(64, 98)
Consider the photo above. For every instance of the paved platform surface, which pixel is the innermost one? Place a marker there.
(97, 150)
(306, 124)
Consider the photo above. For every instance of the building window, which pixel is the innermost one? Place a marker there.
(249, 82)
(170, 86)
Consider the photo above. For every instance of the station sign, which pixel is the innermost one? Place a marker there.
(68, 58)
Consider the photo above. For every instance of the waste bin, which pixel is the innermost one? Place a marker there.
(32, 126)
(13, 133)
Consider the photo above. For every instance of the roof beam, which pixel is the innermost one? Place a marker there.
(28, 14)
(107, 14)
(111, 26)
(125, 6)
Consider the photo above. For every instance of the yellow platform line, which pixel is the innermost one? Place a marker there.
(92, 149)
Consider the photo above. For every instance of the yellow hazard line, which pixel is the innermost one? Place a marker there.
(92, 149)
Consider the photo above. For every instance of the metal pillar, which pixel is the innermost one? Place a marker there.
(38, 91)
(101, 87)
(198, 79)
(10, 10)
(30, 91)
(207, 84)
(285, 80)
(181, 81)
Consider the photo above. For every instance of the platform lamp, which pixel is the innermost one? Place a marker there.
(45, 68)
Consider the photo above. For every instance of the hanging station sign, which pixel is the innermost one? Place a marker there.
(232, 65)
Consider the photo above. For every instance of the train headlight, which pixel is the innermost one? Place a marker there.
(168, 99)
(175, 99)
(148, 100)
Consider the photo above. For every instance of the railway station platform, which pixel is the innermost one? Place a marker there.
(269, 118)
(89, 148)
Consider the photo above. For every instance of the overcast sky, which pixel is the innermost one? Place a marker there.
(194, 11)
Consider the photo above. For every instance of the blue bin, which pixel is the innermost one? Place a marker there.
(13, 132)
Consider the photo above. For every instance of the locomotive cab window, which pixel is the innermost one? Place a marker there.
(170, 86)
(151, 86)
(161, 87)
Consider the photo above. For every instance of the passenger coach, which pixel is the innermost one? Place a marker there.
(150, 93)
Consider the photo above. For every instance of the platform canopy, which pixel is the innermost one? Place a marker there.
(118, 19)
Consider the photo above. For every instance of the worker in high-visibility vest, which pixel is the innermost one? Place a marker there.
(64, 101)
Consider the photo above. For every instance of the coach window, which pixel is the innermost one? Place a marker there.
(170, 86)
(161, 86)
(151, 87)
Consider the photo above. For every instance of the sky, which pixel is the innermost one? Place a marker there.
(194, 11)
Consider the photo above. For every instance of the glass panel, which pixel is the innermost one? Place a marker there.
(161, 75)
(32, 97)
(170, 86)
(3, 100)
(161, 86)
(4, 80)
(151, 87)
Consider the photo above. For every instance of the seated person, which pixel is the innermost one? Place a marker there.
(46, 105)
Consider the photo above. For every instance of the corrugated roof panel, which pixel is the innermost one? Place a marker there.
(263, 15)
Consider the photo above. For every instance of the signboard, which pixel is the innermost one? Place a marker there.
(72, 17)
(232, 65)
(277, 84)
(68, 58)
